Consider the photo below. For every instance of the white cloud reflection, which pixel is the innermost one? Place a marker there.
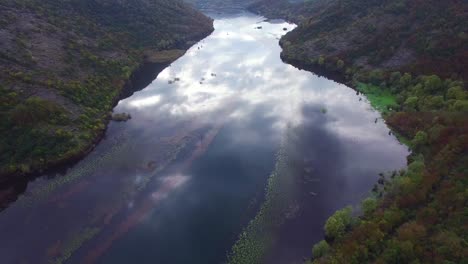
(145, 102)
(238, 70)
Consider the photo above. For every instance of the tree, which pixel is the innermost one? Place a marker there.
(418, 90)
(433, 103)
(369, 205)
(456, 92)
(126, 72)
(411, 103)
(321, 60)
(338, 222)
(411, 231)
(460, 105)
(416, 167)
(320, 249)
(376, 77)
(395, 77)
(433, 83)
(420, 139)
(405, 80)
(339, 64)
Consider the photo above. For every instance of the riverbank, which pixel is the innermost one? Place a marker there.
(405, 219)
(197, 208)
(152, 64)
(56, 107)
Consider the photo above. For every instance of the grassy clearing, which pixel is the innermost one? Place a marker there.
(380, 99)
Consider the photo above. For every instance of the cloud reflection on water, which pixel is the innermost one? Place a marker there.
(249, 76)
(235, 82)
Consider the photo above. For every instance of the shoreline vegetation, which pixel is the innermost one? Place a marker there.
(417, 215)
(56, 100)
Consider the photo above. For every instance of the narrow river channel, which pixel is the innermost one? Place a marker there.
(180, 181)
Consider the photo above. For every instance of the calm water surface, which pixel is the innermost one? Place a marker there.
(179, 181)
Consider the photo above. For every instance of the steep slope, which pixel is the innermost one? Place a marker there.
(64, 64)
(422, 37)
(409, 57)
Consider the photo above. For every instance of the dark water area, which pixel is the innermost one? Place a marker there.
(179, 181)
(331, 171)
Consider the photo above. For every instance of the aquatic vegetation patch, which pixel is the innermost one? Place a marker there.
(80, 171)
(259, 235)
(75, 243)
(129, 190)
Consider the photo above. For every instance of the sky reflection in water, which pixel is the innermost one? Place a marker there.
(250, 77)
(236, 79)
(230, 106)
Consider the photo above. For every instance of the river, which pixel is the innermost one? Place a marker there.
(180, 181)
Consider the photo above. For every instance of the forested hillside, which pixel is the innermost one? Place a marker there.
(410, 58)
(64, 64)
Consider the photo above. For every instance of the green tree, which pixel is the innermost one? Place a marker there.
(460, 105)
(126, 72)
(418, 90)
(368, 205)
(339, 64)
(395, 77)
(320, 249)
(405, 80)
(420, 139)
(433, 103)
(456, 92)
(411, 103)
(321, 60)
(336, 224)
(376, 77)
(433, 83)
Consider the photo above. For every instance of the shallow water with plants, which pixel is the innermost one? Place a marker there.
(195, 176)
